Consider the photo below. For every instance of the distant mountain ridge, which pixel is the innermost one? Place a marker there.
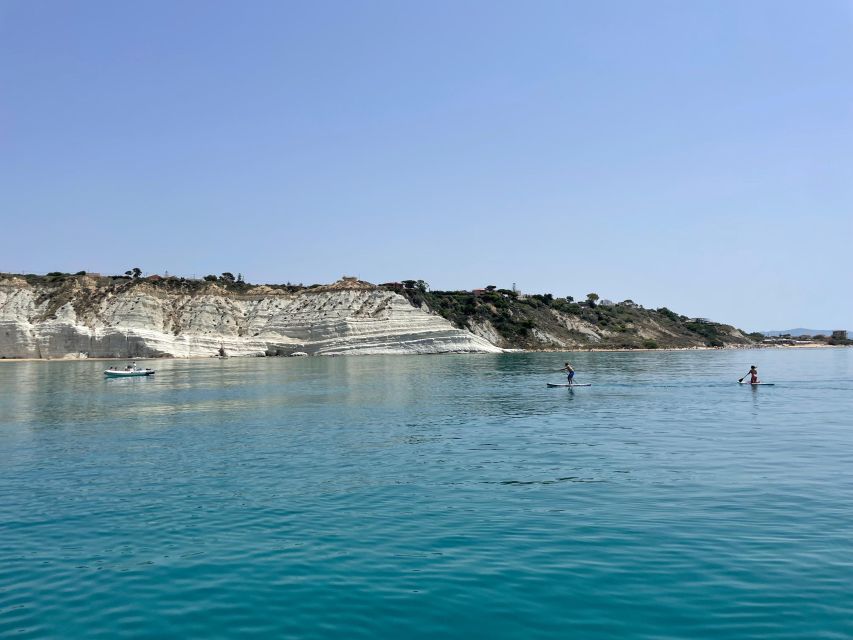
(799, 332)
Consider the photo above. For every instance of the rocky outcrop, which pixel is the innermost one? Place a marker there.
(81, 316)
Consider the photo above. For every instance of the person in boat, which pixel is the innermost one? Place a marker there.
(570, 372)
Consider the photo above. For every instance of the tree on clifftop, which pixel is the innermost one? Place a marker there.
(227, 276)
(134, 273)
(592, 298)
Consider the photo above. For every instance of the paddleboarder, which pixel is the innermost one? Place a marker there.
(570, 372)
(753, 375)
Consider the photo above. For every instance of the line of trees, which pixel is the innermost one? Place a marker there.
(227, 277)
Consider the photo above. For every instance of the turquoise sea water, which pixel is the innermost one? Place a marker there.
(431, 496)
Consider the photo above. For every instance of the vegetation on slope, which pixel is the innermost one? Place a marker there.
(542, 321)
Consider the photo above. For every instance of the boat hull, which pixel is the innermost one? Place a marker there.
(128, 374)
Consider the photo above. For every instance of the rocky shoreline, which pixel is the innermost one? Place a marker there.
(754, 347)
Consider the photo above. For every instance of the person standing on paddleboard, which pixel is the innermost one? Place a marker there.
(753, 375)
(570, 372)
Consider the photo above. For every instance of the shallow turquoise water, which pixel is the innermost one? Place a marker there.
(424, 497)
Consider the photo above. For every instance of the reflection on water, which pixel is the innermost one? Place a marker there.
(430, 496)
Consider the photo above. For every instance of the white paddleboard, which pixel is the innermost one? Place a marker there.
(756, 384)
(565, 384)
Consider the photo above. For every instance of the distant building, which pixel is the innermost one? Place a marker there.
(478, 292)
(700, 320)
(606, 303)
(394, 286)
(839, 334)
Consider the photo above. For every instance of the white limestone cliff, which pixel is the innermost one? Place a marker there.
(82, 318)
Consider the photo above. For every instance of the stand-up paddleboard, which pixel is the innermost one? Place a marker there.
(759, 384)
(565, 384)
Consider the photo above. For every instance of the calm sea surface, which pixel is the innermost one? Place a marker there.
(431, 496)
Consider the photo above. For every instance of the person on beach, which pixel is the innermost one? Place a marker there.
(753, 375)
(570, 372)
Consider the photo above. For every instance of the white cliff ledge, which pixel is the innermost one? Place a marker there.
(86, 317)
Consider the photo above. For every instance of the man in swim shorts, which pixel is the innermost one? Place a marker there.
(570, 372)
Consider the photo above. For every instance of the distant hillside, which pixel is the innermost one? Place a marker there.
(510, 320)
(62, 315)
(799, 332)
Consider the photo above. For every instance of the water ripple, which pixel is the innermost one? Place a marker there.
(429, 497)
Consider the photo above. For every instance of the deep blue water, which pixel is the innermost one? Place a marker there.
(431, 496)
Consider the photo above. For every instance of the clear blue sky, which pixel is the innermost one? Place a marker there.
(695, 154)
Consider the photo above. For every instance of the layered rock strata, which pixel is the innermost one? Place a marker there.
(82, 317)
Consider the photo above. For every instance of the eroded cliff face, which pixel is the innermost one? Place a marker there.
(83, 317)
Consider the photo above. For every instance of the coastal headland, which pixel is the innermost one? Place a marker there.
(87, 315)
